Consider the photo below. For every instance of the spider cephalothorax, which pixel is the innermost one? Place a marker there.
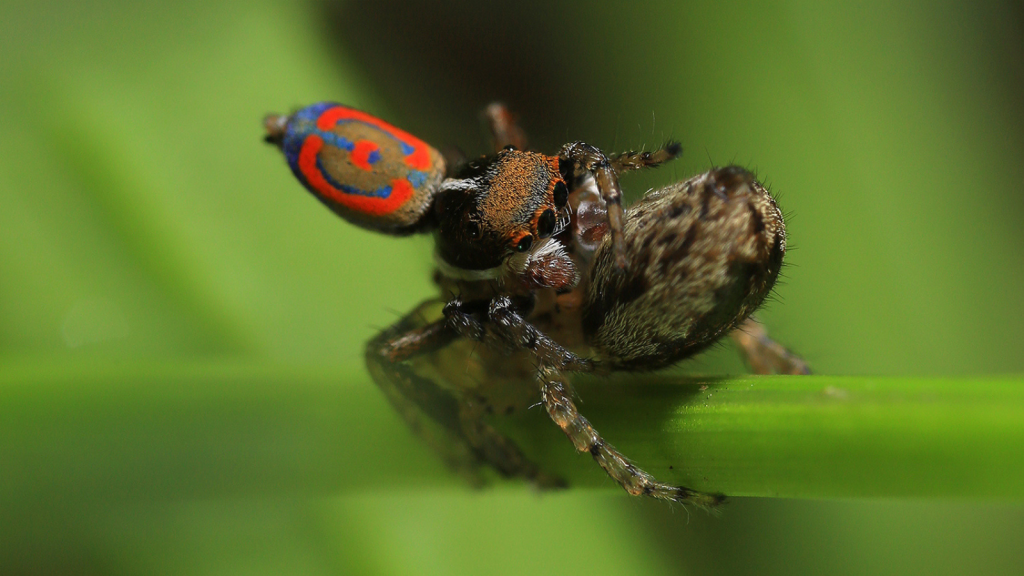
(498, 206)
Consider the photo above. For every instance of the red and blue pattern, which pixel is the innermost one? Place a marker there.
(360, 166)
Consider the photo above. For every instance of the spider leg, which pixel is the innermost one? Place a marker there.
(766, 356)
(506, 328)
(589, 158)
(626, 161)
(503, 127)
(556, 394)
(462, 439)
(499, 324)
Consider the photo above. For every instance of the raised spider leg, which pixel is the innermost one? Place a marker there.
(626, 161)
(589, 158)
(504, 129)
(556, 394)
(766, 356)
(498, 324)
(463, 439)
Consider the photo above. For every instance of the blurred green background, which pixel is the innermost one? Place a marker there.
(146, 233)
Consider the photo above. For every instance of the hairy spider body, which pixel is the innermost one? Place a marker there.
(541, 274)
(702, 254)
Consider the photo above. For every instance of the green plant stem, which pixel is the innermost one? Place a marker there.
(822, 436)
(100, 433)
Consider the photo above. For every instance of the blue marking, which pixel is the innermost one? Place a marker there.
(332, 139)
(373, 157)
(417, 178)
(382, 192)
(312, 112)
(302, 124)
(406, 149)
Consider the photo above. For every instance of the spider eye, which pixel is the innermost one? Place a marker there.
(473, 230)
(561, 195)
(546, 223)
(525, 243)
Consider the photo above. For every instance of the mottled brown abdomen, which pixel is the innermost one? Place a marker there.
(702, 254)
